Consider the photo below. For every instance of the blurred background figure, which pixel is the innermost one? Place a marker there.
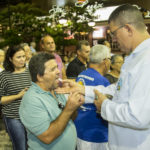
(2, 56)
(106, 43)
(116, 63)
(14, 81)
(80, 63)
(47, 44)
(33, 47)
(66, 61)
(92, 130)
(28, 52)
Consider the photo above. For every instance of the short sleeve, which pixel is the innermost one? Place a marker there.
(34, 115)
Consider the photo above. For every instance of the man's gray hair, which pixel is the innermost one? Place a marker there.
(98, 53)
(127, 14)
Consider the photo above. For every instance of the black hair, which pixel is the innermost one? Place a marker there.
(80, 43)
(37, 64)
(8, 65)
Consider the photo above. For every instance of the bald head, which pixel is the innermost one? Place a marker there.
(48, 44)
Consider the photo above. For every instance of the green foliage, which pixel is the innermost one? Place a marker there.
(24, 25)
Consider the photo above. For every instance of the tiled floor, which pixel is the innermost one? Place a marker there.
(5, 143)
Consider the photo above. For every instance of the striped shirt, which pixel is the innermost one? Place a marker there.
(12, 84)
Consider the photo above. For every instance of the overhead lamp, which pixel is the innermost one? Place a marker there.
(91, 23)
(81, 3)
(62, 21)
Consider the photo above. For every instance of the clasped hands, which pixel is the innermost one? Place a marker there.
(69, 86)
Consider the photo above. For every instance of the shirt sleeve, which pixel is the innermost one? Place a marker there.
(34, 116)
(134, 112)
(89, 91)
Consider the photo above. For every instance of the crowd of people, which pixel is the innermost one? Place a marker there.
(95, 101)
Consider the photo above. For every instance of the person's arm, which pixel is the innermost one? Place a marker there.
(36, 119)
(131, 107)
(69, 86)
(8, 99)
(57, 127)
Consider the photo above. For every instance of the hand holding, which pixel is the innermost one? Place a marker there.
(69, 86)
(99, 98)
(22, 92)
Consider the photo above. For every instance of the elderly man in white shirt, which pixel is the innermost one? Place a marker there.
(128, 112)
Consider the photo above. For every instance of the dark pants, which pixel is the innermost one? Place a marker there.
(16, 133)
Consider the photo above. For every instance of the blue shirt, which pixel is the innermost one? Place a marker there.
(37, 110)
(90, 126)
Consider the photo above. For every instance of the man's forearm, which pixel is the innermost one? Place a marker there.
(56, 127)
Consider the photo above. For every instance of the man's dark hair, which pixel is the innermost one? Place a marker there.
(37, 64)
(80, 43)
(127, 14)
(8, 65)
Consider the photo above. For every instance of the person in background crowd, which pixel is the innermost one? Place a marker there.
(116, 63)
(47, 44)
(2, 56)
(33, 47)
(92, 130)
(46, 115)
(106, 43)
(14, 82)
(80, 63)
(128, 112)
(28, 52)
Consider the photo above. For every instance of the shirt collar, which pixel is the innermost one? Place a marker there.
(39, 89)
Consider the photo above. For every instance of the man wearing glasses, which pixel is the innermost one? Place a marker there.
(47, 116)
(128, 112)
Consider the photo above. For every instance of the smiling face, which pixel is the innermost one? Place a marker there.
(51, 75)
(18, 59)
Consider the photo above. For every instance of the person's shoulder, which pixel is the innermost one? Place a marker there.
(72, 63)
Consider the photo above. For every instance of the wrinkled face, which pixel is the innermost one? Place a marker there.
(122, 35)
(49, 44)
(118, 63)
(85, 52)
(51, 75)
(18, 60)
(2, 56)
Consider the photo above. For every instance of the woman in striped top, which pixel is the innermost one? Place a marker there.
(14, 82)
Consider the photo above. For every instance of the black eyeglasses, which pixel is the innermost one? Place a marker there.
(113, 34)
(60, 105)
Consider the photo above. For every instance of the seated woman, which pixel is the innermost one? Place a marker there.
(116, 63)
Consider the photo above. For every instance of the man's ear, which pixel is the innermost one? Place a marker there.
(129, 29)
